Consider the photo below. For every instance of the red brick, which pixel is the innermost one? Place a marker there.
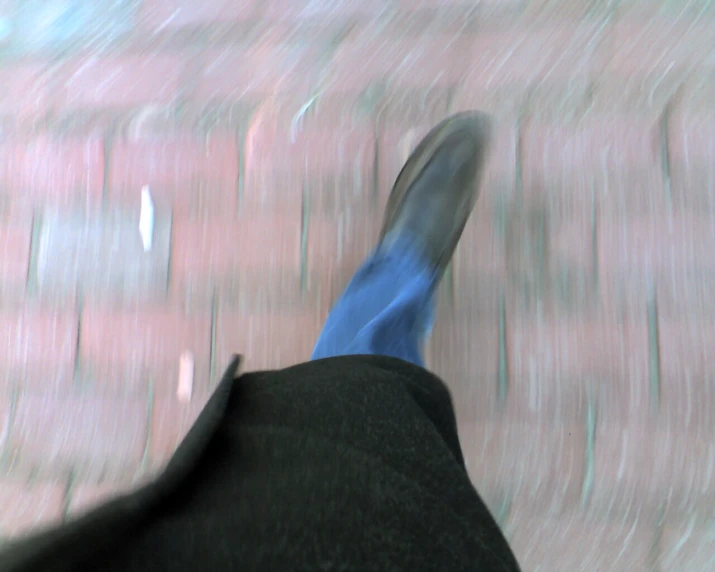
(129, 349)
(26, 507)
(525, 55)
(553, 364)
(220, 250)
(403, 109)
(566, 11)
(667, 244)
(102, 256)
(306, 9)
(267, 341)
(544, 462)
(426, 18)
(160, 15)
(697, 94)
(259, 291)
(373, 56)
(5, 410)
(38, 347)
(499, 180)
(410, 5)
(612, 163)
(640, 464)
(687, 378)
(15, 252)
(464, 352)
(546, 259)
(634, 95)
(188, 174)
(85, 497)
(53, 171)
(262, 68)
(691, 155)
(504, 103)
(121, 81)
(688, 545)
(26, 92)
(171, 421)
(687, 294)
(336, 247)
(474, 297)
(91, 435)
(658, 45)
(573, 541)
(287, 157)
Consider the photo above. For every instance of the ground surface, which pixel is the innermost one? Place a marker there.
(576, 323)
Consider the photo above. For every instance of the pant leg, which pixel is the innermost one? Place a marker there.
(387, 309)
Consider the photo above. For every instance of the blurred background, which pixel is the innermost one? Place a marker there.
(576, 324)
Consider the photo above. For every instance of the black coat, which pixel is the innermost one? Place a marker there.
(349, 463)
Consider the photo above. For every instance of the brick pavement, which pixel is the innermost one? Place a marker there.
(576, 323)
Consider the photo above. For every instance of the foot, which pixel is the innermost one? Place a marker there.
(435, 192)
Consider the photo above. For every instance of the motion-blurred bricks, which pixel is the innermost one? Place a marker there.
(162, 15)
(26, 506)
(92, 436)
(185, 172)
(581, 542)
(15, 239)
(48, 171)
(574, 325)
(120, 82)
(133, 351)
(611, 163)
(219, 251)
(101, 256)
(550, 470)
(292, 155)
(38, 347)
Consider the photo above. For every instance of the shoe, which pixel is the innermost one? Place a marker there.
(436, 190)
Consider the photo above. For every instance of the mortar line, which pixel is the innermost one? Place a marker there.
(212, 347)
(653, 350)
(376, 170)
(108, 147)
(589, 453)
(240, 178)
(655, 549)
(12, 414)
(594, 244)
(169, 262)
(665, 155)
(78, 340)
(69, 489)
(503, 373)
(518, 176)
(32, 286)
(450, 285)
(304, 225)
(151, 396)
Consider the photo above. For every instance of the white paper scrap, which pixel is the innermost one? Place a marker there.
(186, 377)
(146, 219)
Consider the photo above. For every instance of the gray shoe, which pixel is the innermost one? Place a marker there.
(435, 192)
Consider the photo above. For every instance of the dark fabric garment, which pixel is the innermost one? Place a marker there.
(347, 463)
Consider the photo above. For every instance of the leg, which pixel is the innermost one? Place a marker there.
(387, 309)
